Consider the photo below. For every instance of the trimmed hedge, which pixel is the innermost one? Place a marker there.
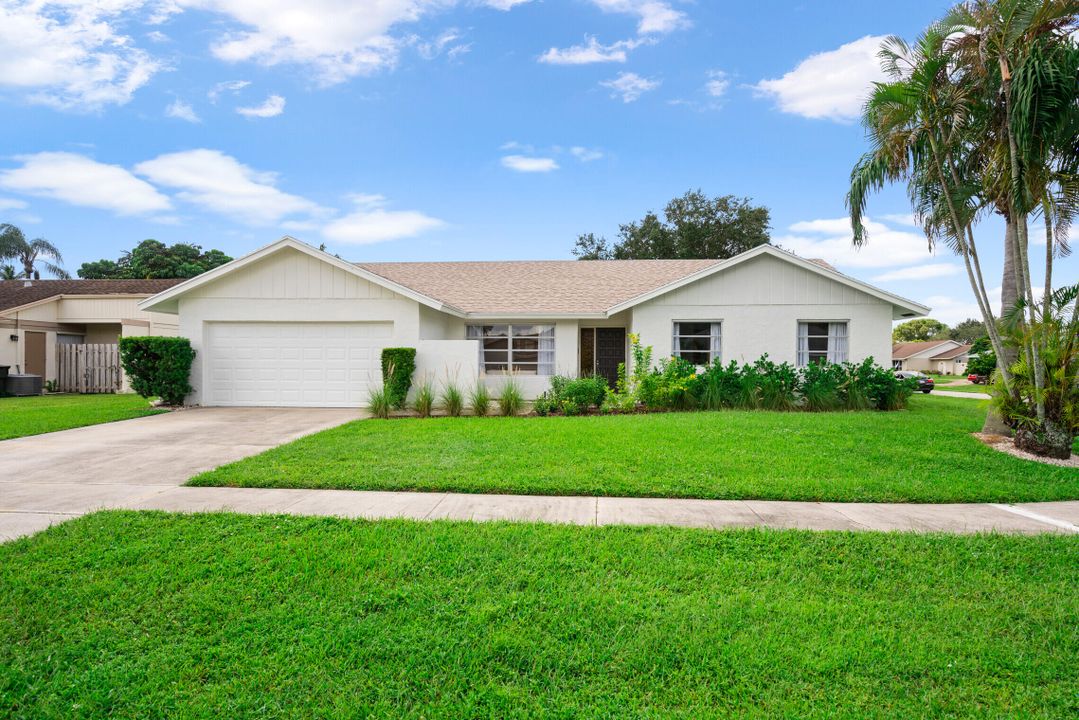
(398, 364)
(158, 366)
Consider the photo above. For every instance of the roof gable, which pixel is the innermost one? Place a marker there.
(168, 301)
(903, 351)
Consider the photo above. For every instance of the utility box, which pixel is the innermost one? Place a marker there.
(23, 385)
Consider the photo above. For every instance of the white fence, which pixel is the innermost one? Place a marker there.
(88, 368)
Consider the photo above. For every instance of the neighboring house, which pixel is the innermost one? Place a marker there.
(290, 325)
(38, 315)
(947, 357)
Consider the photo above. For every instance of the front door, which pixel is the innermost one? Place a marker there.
(610, 353)
(35, 353)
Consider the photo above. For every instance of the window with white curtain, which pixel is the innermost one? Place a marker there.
(822, 342)
(699, 342)
(520, 349)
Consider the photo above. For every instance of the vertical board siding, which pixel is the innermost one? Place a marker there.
(92, 368)
(293, 275)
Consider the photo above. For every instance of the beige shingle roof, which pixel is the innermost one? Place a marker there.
(953, 353)
(537, 286)
(902, 351)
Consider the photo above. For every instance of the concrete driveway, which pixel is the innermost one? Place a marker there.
(52, 477)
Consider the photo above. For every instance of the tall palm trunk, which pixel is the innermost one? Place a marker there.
(1031, 349)
(1009, 293)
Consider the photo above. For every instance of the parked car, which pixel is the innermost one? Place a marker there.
(978, 379)
(925, 383)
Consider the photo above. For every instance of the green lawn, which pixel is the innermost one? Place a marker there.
(21, 416)
(925, 454)
(152, 615)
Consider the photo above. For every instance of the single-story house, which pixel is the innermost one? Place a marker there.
(291, 325)
(38, 315)
(947, 357)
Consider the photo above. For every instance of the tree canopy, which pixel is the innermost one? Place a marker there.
(28, 255)
(968, 331)
(694, 226)
(920, 330)
(154, 259)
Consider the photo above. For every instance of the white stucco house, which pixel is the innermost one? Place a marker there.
(38, 316)
(290, 325)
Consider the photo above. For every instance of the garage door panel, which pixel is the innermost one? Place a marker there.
(310, 364)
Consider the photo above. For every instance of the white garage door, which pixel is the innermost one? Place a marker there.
(293, 364)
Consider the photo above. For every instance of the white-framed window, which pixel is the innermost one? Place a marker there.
(520, 349)
(897, 364)
(698, 341)
(821, 341)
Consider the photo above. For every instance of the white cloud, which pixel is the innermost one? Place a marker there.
(271, 107)
(12, 204)
(920, 272)
(585, 154)
(221, 184)
(69, 55)
(228, 86)
(446, 42)
(653, 16)
(630, 86)
(158, 37)
(832, 85)
(901, 219)
(591, 52)
(182, 111)
(370, 223)
(504, 4)
(717, 84)
(951, 311)
(830, 239)
(78, 180)
(525, 164)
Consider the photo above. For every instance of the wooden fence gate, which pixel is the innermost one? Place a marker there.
(88, 368)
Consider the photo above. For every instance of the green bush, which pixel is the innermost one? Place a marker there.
(569, 407)
(586, 392)
(158, 366)
(820, 386)
(398, 364)
(543, 405)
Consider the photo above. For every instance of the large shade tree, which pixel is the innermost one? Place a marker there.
(155, 259)
(695, 226)
(981, 116)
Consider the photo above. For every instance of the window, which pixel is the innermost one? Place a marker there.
(698, 342)
(822, 342)
(521, 349)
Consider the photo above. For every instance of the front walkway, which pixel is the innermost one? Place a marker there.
(139, 464)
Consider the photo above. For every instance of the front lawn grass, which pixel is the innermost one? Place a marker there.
(965, 388)
(21, 416)
(124, 614)
(924, 454)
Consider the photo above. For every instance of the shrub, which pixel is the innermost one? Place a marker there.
(820, 385)
(586, 392)
(453, 400)
(378, 403)
(158, 366)
(479, 399)
(510, 399)
(425, 399)
(543, 405)
(873, 386)
(398, 364)
(720, 387)
(674, 385)
(569, 407)
(777, 383)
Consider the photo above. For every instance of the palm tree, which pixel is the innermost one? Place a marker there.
(916, 127)
(30, 253)
(7, 272)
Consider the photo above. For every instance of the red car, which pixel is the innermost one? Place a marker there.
(977, 379)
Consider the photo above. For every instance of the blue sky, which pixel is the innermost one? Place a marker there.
(442, 129)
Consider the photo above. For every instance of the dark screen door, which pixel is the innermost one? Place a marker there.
(610, 352)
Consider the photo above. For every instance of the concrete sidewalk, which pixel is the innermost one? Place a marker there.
(970, 395)
(28, 509)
